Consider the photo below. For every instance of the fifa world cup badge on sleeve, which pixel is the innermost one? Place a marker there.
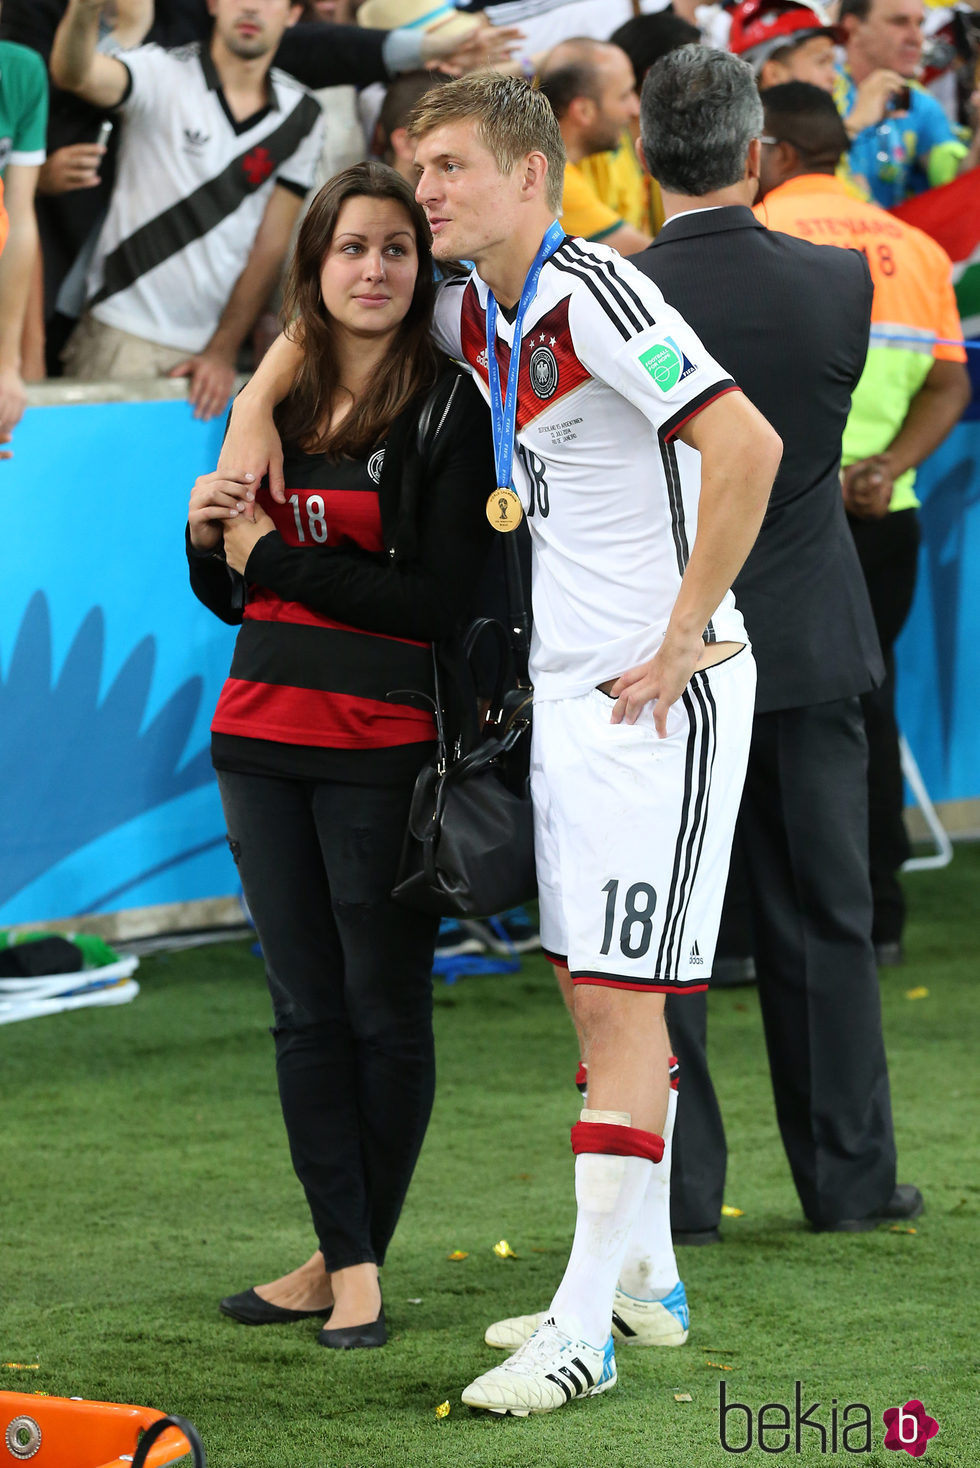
(504, 510)
(667, 364)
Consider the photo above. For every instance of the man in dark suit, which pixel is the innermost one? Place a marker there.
(789, 320)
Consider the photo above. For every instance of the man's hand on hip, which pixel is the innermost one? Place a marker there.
(661, 681)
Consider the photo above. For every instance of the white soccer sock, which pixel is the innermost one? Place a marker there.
(608, 1190)
(649, 1271)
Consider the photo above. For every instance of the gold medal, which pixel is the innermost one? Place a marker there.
(504, 510)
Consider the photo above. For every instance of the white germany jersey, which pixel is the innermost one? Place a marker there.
(192, 185)
(609, 374)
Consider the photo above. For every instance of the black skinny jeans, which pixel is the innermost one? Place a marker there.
(350, 975)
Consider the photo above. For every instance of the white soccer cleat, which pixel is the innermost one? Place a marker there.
(634, 1323)
(547, 1371)
(508, 1335)
(651, 1322)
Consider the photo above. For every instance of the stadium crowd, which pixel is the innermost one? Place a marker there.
(157, 162)
(93, 149)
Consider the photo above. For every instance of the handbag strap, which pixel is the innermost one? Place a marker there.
(158, 1428)
(429, 428)
(430, 425)
(517, 608)
(442, 751)
(506, 677)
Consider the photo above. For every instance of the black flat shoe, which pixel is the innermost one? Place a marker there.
(354, 1337)
(251, 1309)
(904, 1204)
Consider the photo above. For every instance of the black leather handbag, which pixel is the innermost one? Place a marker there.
(469, 846)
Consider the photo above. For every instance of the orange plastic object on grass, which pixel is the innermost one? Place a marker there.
(59, 1432)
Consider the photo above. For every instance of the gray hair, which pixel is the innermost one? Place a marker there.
(699, 110)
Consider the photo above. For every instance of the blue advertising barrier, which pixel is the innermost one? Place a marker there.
(938, 654)
(110, 669)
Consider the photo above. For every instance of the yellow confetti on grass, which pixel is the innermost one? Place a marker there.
(728, 1212)
(683, 1397)
(503, 1250)
(919, 993)
(718, 1365)
(443, 1409)
(21, 1366)
(457, 1255)
(897, 1228)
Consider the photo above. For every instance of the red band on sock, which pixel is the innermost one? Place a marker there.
(616, 1141)
(673, 1071)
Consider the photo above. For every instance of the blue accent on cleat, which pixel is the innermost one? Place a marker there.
(676, 1303)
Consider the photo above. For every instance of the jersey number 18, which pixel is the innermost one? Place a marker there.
(538, 501)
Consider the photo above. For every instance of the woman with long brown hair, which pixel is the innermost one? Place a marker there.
(341, 583)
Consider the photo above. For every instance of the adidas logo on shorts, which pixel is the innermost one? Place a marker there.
(695, 957)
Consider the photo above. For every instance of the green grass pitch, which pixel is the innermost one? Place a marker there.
(144, 1174)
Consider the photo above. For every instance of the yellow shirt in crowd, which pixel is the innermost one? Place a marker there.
(606, 190)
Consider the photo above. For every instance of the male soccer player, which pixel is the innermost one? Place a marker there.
(643, 681)
(644, 474)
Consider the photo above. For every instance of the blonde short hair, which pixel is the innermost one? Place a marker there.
(512, 119)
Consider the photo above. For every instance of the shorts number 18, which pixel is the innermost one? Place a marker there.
(636, 929)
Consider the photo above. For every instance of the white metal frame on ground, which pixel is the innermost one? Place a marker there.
(944, 847)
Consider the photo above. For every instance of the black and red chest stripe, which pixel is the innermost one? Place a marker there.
(329, 503)
(550, 369)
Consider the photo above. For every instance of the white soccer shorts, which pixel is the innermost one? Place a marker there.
(633, 833)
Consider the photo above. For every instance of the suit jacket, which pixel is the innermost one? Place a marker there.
(789, 321)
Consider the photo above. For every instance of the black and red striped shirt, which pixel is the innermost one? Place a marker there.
(306, 690)
(333, 623)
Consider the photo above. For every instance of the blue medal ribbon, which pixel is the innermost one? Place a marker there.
(504, 413)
